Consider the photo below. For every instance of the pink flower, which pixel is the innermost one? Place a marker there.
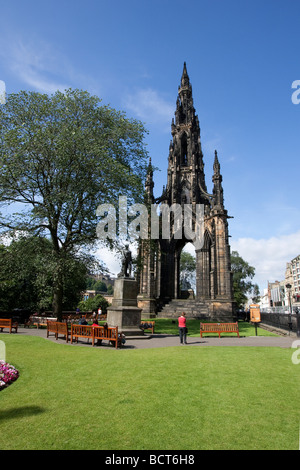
(8, 374)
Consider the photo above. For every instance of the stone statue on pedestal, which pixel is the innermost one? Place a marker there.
(124, 312)
(126, 263)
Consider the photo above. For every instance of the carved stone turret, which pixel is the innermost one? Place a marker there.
(218, 199)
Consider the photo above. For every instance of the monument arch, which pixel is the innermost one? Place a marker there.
(158, 279)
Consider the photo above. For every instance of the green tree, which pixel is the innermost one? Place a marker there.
(60, 157)
(243, 274)
(110, 289)
(25, 276)
(94, 303)
(90, 282)
(24, 283)
(187, 268)
(255, 294)
(100, 286)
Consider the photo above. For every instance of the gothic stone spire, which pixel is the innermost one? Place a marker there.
(149, 184)
(186, 167)
(217, 189)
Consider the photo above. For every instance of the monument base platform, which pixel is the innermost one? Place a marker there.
(127, 319)
(124, 312)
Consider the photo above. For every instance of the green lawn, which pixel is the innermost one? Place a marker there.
(70, 397)
(168, 326)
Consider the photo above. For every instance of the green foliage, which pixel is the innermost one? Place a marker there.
(243, 273)
(100, 286)
(94, 284)
(187, 268)
(60, 157)
(93, 303)
(26, 267)
(110, 289)
(24, 281)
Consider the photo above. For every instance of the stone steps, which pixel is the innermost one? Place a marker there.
(192, 309)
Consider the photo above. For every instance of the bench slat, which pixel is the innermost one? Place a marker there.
(58, 328)
(110, 333)
(95, 332)
(219, 328)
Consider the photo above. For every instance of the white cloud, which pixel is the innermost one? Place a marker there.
(149, 106)
(110, 259)
(39, 67)
(268, 256)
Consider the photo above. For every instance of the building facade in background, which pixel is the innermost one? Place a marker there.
(284, 295)
(293, 277)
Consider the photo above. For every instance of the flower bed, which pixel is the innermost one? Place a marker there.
(8, 374)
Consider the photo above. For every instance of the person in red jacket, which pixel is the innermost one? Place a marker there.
(182, 328)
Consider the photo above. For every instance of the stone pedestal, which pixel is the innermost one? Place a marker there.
(221, 311)
(124, 312)
(147, 305)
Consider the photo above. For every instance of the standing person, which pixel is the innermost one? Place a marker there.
(182, 328)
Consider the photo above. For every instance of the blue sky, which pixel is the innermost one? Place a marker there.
(242, 57)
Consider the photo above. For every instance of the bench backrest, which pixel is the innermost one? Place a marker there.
(145, 322)
(61, 327)
(111, 332)
(51, 326)
(84, 331)
(218, 327)
(5, 322)
(148, 325)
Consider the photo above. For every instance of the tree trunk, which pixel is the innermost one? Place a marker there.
(57, 302)
(58, 293)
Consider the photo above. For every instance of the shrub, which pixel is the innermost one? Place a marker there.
(93, 303)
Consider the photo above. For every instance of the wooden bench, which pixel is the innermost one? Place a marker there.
(219, 328)
(80, 331)
(63, 329)
(98, 333)
(51, 328)
(149, 323)
(58, 328)
(109, 333)
(8, 323)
